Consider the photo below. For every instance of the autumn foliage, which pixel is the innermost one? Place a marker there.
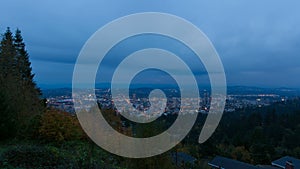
(60, 126)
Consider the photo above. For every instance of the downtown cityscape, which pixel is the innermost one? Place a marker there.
(233, 101)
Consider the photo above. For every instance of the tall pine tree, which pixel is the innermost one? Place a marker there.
(8, 53)
(8, 110)
(21, 94)
(23, 63)
(30, 93)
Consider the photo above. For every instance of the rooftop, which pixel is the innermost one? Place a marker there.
(226, 163)
(282, 162)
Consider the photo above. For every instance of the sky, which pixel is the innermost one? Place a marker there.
(257, 41)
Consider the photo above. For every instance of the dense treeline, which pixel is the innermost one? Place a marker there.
(20, 100)
(253, 135)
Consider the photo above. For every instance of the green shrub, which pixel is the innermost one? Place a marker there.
(35, 157)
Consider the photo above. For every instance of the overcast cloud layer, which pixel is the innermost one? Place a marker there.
(257, 41)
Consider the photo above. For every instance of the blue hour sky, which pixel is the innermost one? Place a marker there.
(257, 41)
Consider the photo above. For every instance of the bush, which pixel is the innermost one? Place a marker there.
(35, 157)
(60, 126)
(72, 154)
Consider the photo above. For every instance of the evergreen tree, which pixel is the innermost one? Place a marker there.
(29, 93)
(22, 97)
(8, 119)
(7, 53)
(23, 63)
(8, 106)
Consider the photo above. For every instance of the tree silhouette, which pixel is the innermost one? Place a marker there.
(21, 97)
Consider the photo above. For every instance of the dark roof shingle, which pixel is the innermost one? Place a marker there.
(282, 161)
(227, 163)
